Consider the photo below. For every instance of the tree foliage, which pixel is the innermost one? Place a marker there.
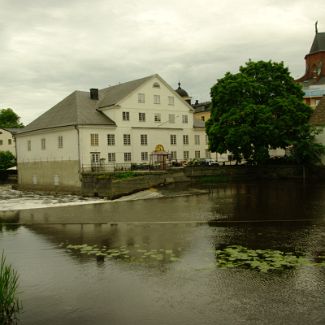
(259, 108)
(7, 160)
(9, 119)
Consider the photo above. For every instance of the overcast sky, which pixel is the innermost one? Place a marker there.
(50, 48)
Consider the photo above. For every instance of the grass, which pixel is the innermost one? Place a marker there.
(10, 305)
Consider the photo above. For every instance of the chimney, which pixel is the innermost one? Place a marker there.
(94, 93)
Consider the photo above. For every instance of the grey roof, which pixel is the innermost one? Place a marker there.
(13, 130)
(318, 43)
(112, 95)
(75, 109)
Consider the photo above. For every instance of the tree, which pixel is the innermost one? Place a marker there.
(7, 160)
(9, 119)
(259, 108)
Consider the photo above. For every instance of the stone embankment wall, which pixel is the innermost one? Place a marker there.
(104, 185)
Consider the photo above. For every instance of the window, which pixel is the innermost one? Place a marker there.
(56, 180)
(207, 153)
(127, 156)
(126, 116)
(171, 118)
(141, 98)
(1, 142)
(43, 144)
(186, 155)
(29, 145)
(111, 157)
(197, 139)
(157, 117)
(94, 158)
(156, 85)
(156, 99)
(142, 117)
(171, 100)
(173, 155)
(185, 119)
(9, 141)
(173, 139)
(94, 139)
(202, 118)
(144, 139)
(111, 139)
(60, 141)
(206, 139)
(144, 156)
(185, 139)
(127, 139)
(197, 154)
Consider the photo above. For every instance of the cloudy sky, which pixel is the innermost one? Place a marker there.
(49, 48)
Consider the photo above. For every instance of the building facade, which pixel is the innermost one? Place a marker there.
(119, 125)
(7, 140)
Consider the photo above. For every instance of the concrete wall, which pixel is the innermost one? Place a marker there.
(49, 175)
(105, 186)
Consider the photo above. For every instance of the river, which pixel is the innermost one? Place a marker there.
(161, 266)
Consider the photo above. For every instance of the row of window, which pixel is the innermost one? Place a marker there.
(157, 117)
(94, 139)
(111, 157)
(9, 142)
(156, 99)
(43, 143)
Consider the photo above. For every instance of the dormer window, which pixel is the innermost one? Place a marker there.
(156, 85)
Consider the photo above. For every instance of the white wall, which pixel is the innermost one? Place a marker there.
(7, 142)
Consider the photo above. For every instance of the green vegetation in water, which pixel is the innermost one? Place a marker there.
(212, 179)
(261, 260)
(123, 253)
(10, 305)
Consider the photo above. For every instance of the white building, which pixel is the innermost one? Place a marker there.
(7, 140)
(122, 124)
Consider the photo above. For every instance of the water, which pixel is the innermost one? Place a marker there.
(61, 286)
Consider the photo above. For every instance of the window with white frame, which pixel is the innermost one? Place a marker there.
(141, 98)
(173, 155)
(197, 154)
(185, 119)
(94, 158)
(126, 116)
(60, 141)
(197, 139)
(144, 156)
(171, 118)
(186, 155)
(173, 139)
(156, 85)
(127, 139)
(142, 117)
(206, 139)
(29, 145)
(111, 157)
(156, 99)
(171, 100)
(143, 139)
(111, 139)
(157, 117)
(94, 139)
(127, 156)
(185, 139)
(43, 144)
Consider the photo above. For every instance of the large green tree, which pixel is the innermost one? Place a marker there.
(259, 108)
(9, 119)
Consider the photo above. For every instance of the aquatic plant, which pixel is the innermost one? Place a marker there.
(10, 305)
(263, 260)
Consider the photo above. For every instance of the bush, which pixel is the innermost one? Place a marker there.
(7, 160)
(10, 305)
